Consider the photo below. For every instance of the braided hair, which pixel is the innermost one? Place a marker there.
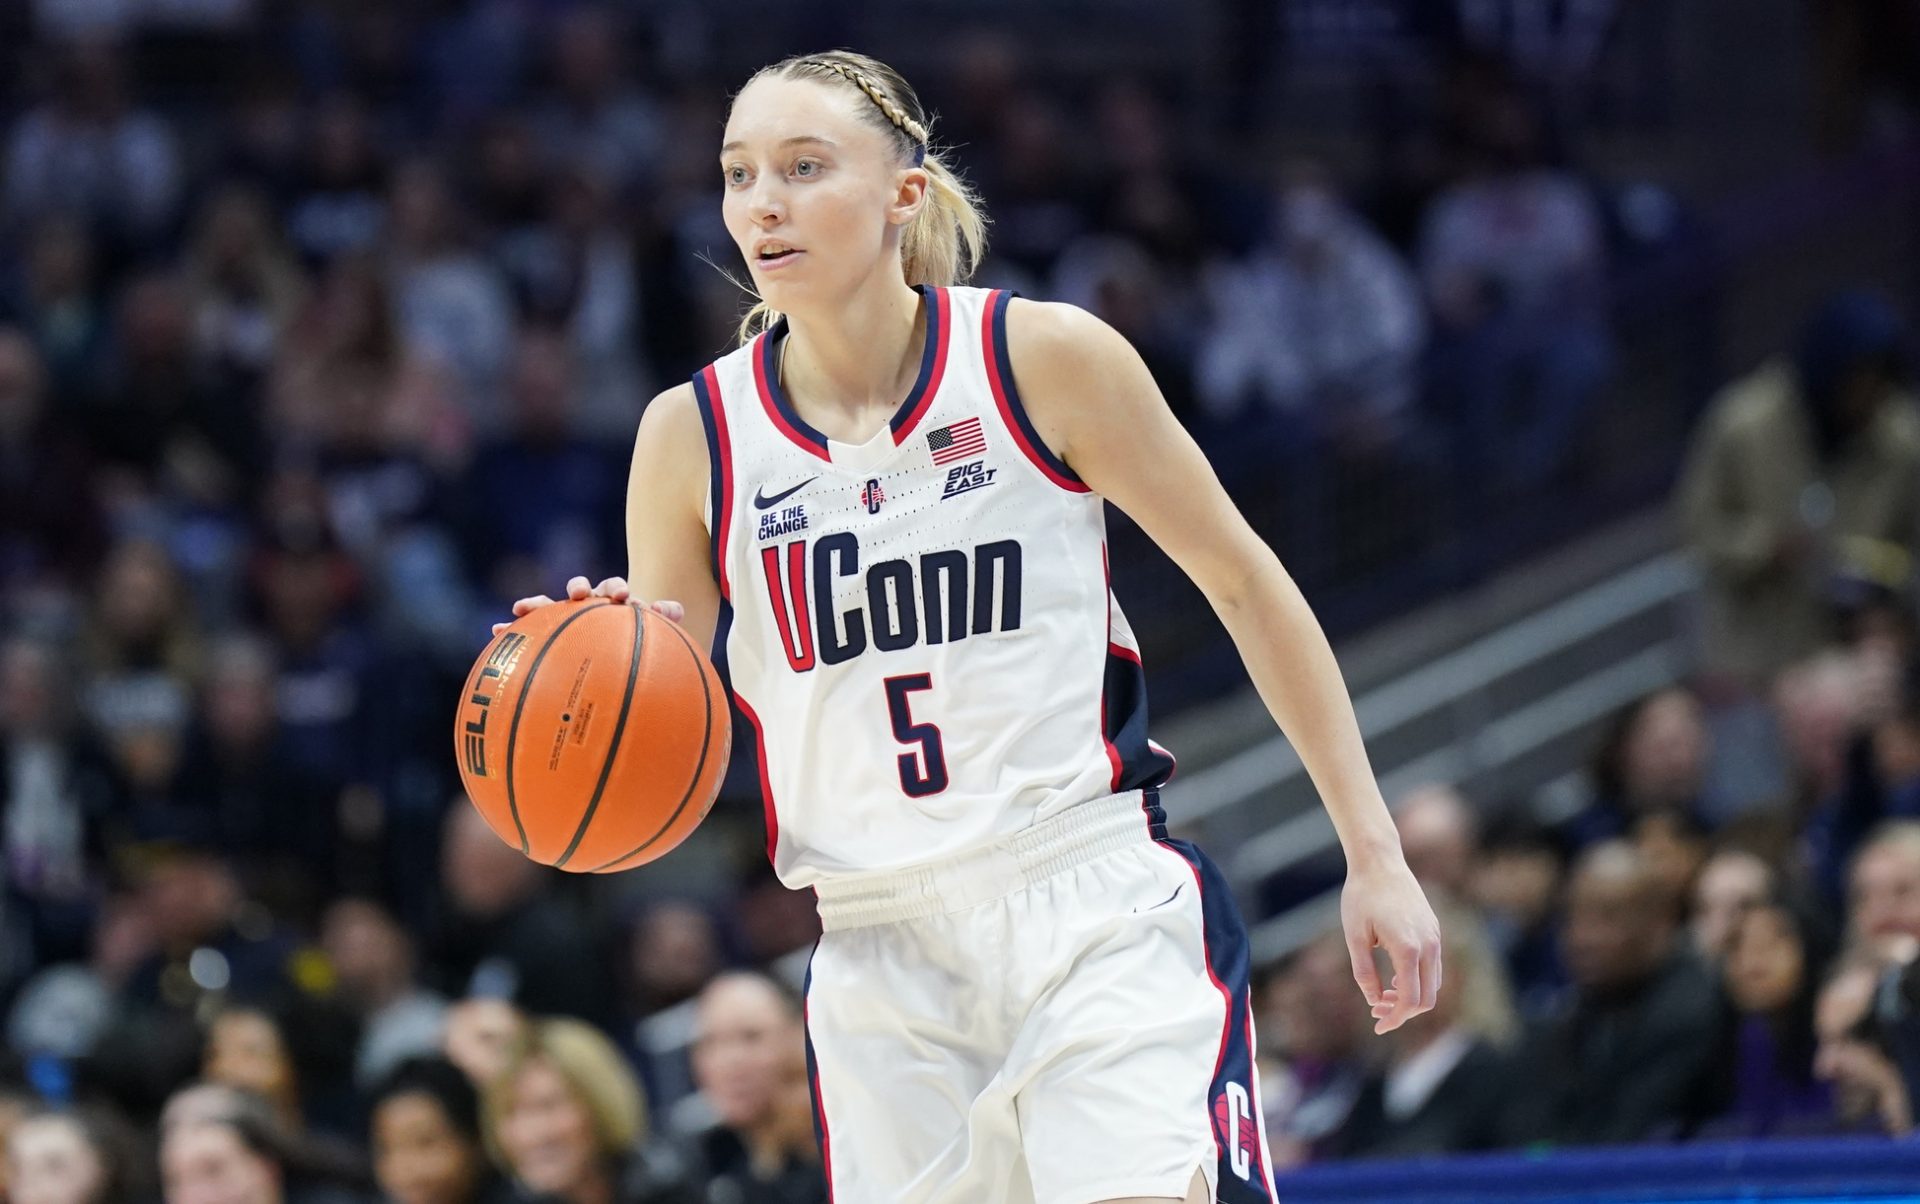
(947, 237)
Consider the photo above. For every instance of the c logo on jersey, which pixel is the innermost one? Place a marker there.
(1238, 1129)
(871, 495)
(935, 598)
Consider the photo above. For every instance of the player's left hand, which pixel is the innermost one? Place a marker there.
(1382, 907)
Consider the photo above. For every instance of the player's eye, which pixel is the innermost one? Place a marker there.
(807, 167)
(736, 174)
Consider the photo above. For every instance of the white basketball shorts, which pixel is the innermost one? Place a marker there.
(1060, 1017)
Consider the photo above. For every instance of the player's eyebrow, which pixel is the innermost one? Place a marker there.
(730, 147)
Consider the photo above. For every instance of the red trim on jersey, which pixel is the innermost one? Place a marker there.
(1004, 402)
(1113, 754)
(759, 355)
(938, 324)
(723, 521)
(1120, 650)
(767, 807)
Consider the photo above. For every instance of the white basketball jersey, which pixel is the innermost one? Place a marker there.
(919, 627)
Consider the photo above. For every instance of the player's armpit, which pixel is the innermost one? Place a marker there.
(667, 542)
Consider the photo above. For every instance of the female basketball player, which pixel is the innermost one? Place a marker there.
(884, 510)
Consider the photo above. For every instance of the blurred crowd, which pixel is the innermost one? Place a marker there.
(1723, 941)
(324, 329)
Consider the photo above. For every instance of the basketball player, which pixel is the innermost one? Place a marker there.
(884, 510)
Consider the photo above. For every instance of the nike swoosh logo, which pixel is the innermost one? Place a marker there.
(1162, 903)
(761, 501)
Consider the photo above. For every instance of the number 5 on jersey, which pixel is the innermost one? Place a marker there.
(924, 773)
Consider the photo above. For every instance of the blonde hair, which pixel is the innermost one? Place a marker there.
(946, 239)
(1476, 972)
(595, 1072)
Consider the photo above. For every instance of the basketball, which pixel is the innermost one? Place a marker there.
(592, 735)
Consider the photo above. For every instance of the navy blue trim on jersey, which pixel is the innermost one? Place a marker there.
(820, 1133)
(1229, 962)
(1138, 762)
(716, 474)
(1004, 362)
(769, 352)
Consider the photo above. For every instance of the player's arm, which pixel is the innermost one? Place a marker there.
(1093, 401)
(667, 545)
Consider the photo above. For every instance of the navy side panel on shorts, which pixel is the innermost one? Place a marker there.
(1244, 1174)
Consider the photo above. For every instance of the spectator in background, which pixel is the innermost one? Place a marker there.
(1515, 883)
(62, 1011)
(1883, 911)
(70, 1158)
(1634, 1049)
(1880, 781)
(1653, 757)
(450, 303)
(1731, 882)
(87, 151)
(483, 1036)
(566, 1118)
(58, 303)
(244, 287)
(49, 527)
(1774, 962)
(338, 206)
(579, 273)
(1320, 328)
(247, 1050)
(426, 1141)
(1852, 1055)
(595, 120)
(235, 1156)
(1321, 1028)
(56, 782)
(241, 789)
(749, 1061)
(1673, 844)
(373, 961)
(1513, 258)
(168, 423)
(503, 935)
(1439, 836)
(1797, 471)
(543, 497)
(1446, 1079)
(142, 655)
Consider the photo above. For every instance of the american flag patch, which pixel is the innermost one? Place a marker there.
(957, 441)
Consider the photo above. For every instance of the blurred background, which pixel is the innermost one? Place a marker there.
(1561, 348)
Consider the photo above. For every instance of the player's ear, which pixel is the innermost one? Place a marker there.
(911, 194)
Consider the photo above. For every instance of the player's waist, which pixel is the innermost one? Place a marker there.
(995, 870)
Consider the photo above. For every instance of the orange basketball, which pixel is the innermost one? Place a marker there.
(592, 735)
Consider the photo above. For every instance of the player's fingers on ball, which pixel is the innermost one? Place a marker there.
(612, 587)
(668, 610)
(527, 606)
(500, 627)
(578, 588)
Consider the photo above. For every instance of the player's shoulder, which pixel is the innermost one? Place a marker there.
(671, 422)
(1048, 339)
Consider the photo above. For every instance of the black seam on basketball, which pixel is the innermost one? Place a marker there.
(613, 747)
(706, 745)
(520, 704)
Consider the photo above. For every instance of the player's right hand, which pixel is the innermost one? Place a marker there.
(578, 590)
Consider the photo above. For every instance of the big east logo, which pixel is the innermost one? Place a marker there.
(479, 703)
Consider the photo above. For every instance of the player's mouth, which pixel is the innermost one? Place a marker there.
(772, 255)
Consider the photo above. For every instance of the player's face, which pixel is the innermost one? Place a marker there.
(811, 190)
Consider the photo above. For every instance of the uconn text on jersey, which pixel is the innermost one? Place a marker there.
(936, 597)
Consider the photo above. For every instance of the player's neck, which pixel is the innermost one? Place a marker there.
(846, 372)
